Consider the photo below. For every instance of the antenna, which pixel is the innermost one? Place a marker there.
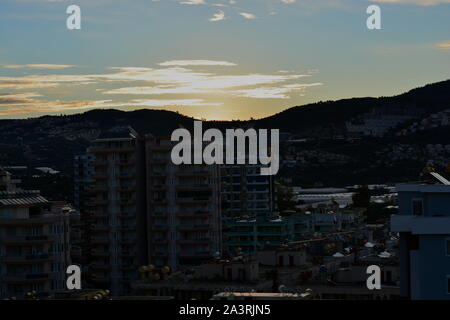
(440, 178)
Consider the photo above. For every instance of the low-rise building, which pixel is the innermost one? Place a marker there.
(423, 223)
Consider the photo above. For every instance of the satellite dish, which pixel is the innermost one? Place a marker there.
(369, 245)
(338, 255)
(165, 269)
(143, 269)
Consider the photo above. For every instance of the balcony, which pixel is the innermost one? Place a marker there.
(159, 160)
(158, 201)
(100, 176)
(128, 162)
(187, 186)
(198, 254)
(99, 214)
(126, 202)
(193, 173)
(194, 227)
(100, 240)
(160, 241)
(127, 175)
(127, 215)
(31, 258)
(128, 267)
(27, 239)
(194, 241)
(98, 253)
(98, 188)
(26, 277)
(127, 240)
(157, 174)
(100, 163)
(99, 266)
(106, 149)
(100, 227)
(193, 200)
(127, 187)
(194, 214)
(128, 254)
(128, 227)
(159, 226)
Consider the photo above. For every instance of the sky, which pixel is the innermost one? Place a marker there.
(214, 59)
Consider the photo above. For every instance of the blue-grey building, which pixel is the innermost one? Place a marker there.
(423, 223)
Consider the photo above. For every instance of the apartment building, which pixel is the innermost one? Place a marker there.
(83, 172)
(245, 192)
(423, 223)
(183, 208)
(35, 241)
(113, 213)
(142, 209)
(251, 235)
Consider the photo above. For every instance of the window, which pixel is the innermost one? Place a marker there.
(417, 207)
(281, 261)
(448, 284)
(291, 261)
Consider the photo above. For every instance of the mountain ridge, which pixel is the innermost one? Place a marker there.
(54, 140)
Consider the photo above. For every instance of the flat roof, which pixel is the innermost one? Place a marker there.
(426, 188)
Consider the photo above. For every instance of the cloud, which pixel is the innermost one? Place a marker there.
(186, 81)
(219, 16)
(249, 16)
(182, 63)
(43, 81)
(274, 92)
(193, 2)
(172, 103)
(24, 103)
(416, 2)
(39, 66)
(443, 45)
(17, 98)
(175, 83)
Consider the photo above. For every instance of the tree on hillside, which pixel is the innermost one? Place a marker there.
(361, 198)
(285, 197)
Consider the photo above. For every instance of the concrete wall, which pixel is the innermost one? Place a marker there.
(434, 267)
(214, 271)
(433, 203)
(272, 258)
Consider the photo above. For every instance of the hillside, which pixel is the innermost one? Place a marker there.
(54, 140)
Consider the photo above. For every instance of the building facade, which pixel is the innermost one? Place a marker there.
(111, 237)
(244, 191)
(183, 208)
(142, 209)
(35, 241)
(423, 223)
